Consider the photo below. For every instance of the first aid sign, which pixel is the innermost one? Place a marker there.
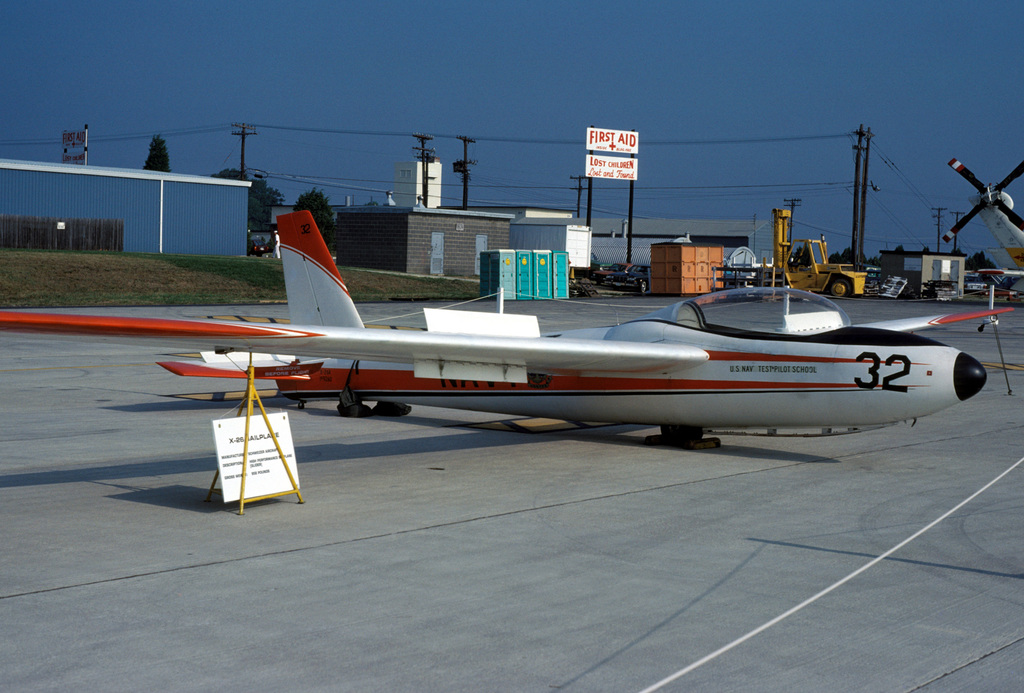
(616, 141)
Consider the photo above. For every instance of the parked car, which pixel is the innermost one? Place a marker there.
(600, 276)
(636, 278)
(259, 246)
(974, 282)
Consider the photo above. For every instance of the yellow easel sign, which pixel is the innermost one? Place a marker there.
(265, 476)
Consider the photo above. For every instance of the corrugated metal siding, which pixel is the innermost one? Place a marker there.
(205, 219)
(45, 194)
(198, 218)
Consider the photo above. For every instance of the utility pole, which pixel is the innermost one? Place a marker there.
(792, 203)
(425, 156)
(243, 132)
(462, 167)
(579, 192)
(938, 227)
(955, 222)
(856, 188)
(865, 183)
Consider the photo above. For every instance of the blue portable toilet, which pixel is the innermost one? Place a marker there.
(498, 271)
(524, 275)
(560, 274)
(542, 274)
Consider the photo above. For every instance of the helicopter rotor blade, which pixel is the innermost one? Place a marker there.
(966, 173)
(1010, 178)
(1010, 214)
(948, 236)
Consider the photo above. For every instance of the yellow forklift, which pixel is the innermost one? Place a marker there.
(805, 263)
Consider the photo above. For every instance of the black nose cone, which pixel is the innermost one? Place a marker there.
(968, 376)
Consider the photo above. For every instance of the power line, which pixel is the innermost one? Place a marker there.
(165, 133)
(563, 141)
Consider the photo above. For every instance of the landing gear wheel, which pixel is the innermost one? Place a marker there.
(350, 406)
(354, 411)
(391, 409)
(686, 437)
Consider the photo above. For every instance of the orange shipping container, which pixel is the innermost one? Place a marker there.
(683, 268)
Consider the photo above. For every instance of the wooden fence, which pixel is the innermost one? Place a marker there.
(51, 233)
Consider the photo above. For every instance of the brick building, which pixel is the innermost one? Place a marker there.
(418, 240)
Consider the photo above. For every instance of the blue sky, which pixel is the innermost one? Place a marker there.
(739, 105)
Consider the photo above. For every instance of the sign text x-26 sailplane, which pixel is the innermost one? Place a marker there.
(746, 358)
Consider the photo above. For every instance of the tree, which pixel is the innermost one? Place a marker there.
(320, 206)
(158, 159)
(979, 261)
(843, 258)
(261, 198)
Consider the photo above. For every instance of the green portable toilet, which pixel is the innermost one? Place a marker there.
(524, 275)
(498, 271)
(542, 274)
(560, 274)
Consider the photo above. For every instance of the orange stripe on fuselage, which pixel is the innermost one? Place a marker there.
(403, 381)
(757, 356)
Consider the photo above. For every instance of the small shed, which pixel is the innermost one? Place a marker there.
(920, 268)
(418, 240)
(548, 234)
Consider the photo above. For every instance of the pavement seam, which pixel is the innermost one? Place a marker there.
(400, 532)
(966, 664)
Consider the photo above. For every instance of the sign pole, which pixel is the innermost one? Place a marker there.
(590, 193)
(629, 226)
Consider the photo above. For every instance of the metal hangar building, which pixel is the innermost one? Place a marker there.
(161, 212)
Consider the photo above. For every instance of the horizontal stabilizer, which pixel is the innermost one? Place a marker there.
(275, 371)
(923, 323)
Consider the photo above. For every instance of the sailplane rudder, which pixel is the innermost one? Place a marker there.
(317, 294)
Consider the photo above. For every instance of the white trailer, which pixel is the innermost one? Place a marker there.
(574, 239)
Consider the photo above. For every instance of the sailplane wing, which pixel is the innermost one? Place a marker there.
(433, 354)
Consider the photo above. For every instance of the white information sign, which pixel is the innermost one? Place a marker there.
(611, 167)
(265, 474)
(618, 141)
(76, 144)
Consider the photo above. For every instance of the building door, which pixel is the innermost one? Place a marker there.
(481, 246)
(437, 252)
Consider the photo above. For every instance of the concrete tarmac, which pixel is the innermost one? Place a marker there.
(431, 556)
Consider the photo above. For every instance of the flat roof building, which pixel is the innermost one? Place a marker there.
(161, 212)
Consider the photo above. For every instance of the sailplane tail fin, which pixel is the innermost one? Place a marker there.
(317, 294)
